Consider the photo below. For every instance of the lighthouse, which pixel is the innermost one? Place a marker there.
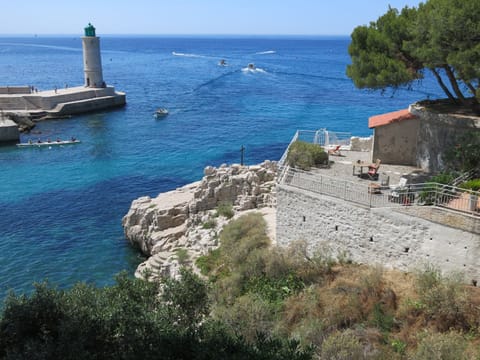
(92, 61)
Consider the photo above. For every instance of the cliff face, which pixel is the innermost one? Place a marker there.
(184, 221)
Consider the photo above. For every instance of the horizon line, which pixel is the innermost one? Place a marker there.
(171, 35)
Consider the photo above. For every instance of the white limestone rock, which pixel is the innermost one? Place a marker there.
(175, 219)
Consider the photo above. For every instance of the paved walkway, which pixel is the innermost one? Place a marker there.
(342, 167)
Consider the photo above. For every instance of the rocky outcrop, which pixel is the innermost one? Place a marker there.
(178, 226)
(25, 124)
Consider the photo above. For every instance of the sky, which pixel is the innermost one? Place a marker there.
(192, 17)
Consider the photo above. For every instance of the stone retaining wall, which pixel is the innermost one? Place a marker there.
(374, 236)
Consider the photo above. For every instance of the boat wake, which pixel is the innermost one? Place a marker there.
(209, 82)
(248, 69)
(266, 52)
(66, 48)
(187, 55)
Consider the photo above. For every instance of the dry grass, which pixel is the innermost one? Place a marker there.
(382, 306)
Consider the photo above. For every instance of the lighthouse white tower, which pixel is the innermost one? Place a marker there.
(92, 61)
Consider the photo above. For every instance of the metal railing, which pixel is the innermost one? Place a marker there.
(321, 137)
(374, 196)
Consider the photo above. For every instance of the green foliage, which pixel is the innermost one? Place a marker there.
(208, 263)
(398, 346)
(443, 178)
(382, 319)
(440, 36)
(240, 238)
(379, 59)
(473, 184)
(465, 154)
(128, 320)
(431, 191)
(305, 155)
(448, 346)
(275, 290)
(342, 346)
(249, 315)
(209, 224)
(187, 299)
(225, 209)
(444, 298)
(182, 256)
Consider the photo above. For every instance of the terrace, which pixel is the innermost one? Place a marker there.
(397, 187)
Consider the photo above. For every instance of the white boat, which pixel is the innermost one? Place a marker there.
(48, 143)
(161, 112)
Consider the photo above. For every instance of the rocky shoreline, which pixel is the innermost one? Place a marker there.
(178, 226)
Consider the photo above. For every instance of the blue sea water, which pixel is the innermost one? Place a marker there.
(61, 208)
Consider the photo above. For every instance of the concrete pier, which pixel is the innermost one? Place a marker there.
(28, 102)
(61, 102)
(8, 130)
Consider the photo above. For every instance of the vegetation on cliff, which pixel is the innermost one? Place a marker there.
(304, 155)
(440, 36)
(255, 302)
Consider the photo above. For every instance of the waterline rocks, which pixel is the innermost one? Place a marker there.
(178, 226)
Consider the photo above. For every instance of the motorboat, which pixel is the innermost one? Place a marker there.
(161, 112)
(40, 143)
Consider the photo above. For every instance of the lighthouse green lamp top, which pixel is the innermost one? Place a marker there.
(90, 30)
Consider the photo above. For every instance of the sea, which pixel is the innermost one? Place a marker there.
(61, 208)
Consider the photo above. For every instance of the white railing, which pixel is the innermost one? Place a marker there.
(321, 137)
(428, 194)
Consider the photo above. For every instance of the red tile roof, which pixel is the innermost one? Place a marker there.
(388, 118)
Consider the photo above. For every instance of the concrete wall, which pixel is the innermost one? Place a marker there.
(437, 134)
(374, 236)
(15, 90)
(80, 107)
(396, 143)
(8, 130)
(361, 144)
(49, 100)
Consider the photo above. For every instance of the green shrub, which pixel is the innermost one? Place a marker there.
(209, 224)
(248, 316)
(465, 154)
(444, 299)
(398, 346)
(448, 346)
(382, 319)
(275, 290)
(443, 178)
(240, 237)
(182, 256)
(225, 209)
(342, 346)
(471, 185)
(305, 155)
(208, 263)
(129, 320)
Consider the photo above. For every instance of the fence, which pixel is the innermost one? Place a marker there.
(321, 137)
(426, 194)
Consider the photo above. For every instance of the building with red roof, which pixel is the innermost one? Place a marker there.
(419, 137)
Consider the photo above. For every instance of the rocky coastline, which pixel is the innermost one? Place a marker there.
(178, 226)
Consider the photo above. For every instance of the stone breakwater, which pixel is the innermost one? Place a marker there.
(178, 226)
